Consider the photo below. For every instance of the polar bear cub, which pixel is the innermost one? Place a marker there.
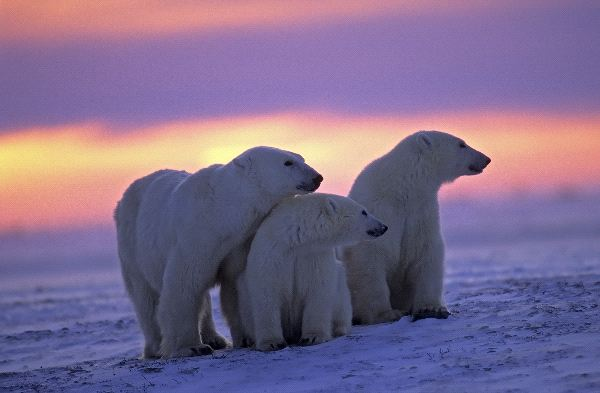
(403, 272)
(176, 229)
(294, 289)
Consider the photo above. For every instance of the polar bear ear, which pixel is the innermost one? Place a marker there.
(332, 206)
(242, 162)
(424, 142)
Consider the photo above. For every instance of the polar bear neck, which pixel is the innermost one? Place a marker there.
(226, 185)
(408, 174)
(290, 227)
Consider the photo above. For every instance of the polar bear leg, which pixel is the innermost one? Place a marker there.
(179, 308)
(246, 320)
(317, 317)
(342, 321)
(267, 323)
(178, 320)
(371, 299)
(342, 314)
(145, 300)
(429, 285)
(208, 331)
(230, 307)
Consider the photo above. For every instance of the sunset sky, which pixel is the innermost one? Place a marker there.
(96, 94)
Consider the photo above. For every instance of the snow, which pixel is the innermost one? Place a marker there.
(523, 283)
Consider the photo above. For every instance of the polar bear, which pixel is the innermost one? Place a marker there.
(402, 273)
(341, 315)
(294, 289)
(175, 231)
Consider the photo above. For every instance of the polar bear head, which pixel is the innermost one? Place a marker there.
(447, 156)
(324, 220)
(350, 222)
(277, 173)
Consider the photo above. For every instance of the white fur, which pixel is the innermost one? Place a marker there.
(294, 289)
(179, 233)
(402, 272)
(342, 311)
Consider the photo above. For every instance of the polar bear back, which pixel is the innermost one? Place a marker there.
(165, 207)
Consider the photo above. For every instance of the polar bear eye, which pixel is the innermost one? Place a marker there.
(288, 163)
(364, 212)
(462, 145)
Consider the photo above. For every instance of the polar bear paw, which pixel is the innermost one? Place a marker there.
(151, 351)
(383, 317)
(199, 350)
(243, 342)
(390, 316)
(438, 313)
(216, 342)
(312, 339)
(247, 342)
(339, 331)
(271, 345)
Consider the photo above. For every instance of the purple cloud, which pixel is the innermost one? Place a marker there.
(530, 58)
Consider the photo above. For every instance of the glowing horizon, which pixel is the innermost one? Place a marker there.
(95, 95)
(73, 175)
(45, 21)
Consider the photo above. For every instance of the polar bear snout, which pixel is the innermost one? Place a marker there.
(313, 184)
(378, 230)
(479, 163)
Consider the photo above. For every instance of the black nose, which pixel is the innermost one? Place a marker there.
(377, 232)
(487, 161)
(318, 179)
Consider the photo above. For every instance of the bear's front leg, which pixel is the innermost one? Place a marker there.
(266, 314)
(208, 331)
(342, 309)
(178, 320)
(342, 312)
(428, 279)
(179, 308)
(230, 308)
(269, 336)
(315, 329)
(318, 312)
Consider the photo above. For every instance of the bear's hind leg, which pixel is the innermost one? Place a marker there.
(371, 299)
(145, 301)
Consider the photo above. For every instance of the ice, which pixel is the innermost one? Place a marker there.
(523, 283)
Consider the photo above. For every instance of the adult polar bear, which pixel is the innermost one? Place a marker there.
(402, 273)
(175, 231)
(294, 289)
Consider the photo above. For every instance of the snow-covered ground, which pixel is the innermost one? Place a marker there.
(523, 283)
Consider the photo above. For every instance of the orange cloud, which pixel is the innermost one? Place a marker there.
(73, 175)
(71, 19)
